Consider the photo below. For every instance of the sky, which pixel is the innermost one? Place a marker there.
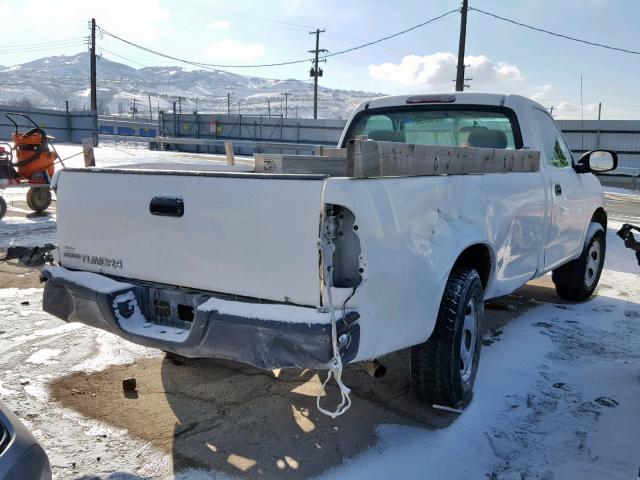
(501, 57)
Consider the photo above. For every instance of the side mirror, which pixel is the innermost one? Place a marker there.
(597, 161)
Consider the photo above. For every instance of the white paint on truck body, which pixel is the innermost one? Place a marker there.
(258, 237)
(245, 236)
(414, 229)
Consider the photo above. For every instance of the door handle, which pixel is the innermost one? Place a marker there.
(167, 206)
(558, 189)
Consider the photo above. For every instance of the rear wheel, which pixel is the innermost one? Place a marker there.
(443, 369)
(577, 280)
(38, 199)
(3, 207)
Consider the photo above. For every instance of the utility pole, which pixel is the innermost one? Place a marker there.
(228, 103)
(180, 103)
(599, 110)
(296, 110)
(94, 88)
(286, 104)
(150, 110)
(316, 71)
(461, 45)
(269, 107)
(134, 109)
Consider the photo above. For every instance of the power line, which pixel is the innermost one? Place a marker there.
(40, 44)
(194, 63)
(198, 7)
(102, 49)
(42, 48)
(277, 64)
(567, 37)
(388, 37)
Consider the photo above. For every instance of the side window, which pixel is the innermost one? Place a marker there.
(555, 150)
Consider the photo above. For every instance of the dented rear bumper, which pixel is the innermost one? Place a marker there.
(265, 335)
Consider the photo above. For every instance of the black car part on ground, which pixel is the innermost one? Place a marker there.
(626, 234)
(5, 438)
(30, 256)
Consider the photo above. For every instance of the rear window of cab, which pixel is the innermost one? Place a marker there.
(454, 126)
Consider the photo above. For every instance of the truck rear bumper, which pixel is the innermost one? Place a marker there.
(266, 336)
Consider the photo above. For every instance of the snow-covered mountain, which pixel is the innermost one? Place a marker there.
(49, 81)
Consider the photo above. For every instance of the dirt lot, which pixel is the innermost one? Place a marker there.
(556, 396)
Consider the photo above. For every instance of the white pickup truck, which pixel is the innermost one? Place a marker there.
(313, 269)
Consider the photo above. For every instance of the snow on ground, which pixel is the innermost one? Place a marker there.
(556, 398)
(623, 191)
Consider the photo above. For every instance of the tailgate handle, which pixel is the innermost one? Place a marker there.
(167, 206)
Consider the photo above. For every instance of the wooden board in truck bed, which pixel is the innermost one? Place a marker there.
(369, 158)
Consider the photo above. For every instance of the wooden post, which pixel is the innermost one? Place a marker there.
(87, 150)
(228, 149)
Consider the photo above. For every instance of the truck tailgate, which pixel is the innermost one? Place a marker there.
(240, 234)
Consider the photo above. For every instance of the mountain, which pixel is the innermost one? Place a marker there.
(48, 82)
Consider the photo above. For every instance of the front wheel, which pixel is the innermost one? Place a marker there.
(577, 280)
(38, 199)
(443, 369)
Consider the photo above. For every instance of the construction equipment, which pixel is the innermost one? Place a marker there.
(34, 167)
(626, 234)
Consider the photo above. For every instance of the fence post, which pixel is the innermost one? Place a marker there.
(87, 150)
(197, 115)
(66, 107)
(228, 148)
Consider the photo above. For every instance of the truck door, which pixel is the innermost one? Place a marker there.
(565, 195)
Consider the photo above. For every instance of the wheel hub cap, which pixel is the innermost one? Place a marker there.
(468, 341)
(593, 263)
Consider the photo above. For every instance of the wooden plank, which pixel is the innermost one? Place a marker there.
(228, 149)
(388, 159)
(87, 151)
(300, 164)
(334, 152)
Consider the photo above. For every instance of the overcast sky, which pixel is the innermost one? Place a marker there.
(502, 57)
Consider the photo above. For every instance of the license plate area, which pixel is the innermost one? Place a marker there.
(173, 308)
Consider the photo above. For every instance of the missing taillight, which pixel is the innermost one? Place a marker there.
(346, 262)
(185, 313)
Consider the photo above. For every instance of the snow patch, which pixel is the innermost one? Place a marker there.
(92, 281)
(112, 350)
(266, 311)
(137, 324)
(44, 356)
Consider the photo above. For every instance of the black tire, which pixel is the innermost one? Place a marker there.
(38, 199)
(439, 374)
(3, 207)
(577, 280)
